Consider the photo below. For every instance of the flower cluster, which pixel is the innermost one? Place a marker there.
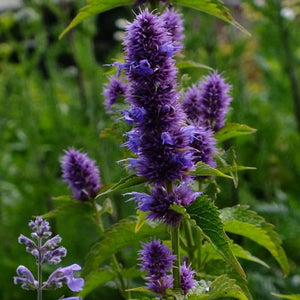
(157, 259)
(46, 250)
(81, 173)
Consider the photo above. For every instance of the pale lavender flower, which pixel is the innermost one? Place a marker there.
(71, 298)
(187, 278)
(156, 259)
(25, 278)
(81, 173)
(65, 275)
(113, 91)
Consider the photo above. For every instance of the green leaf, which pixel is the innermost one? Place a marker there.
(210, 253)
(141, 220)
(291, 297)
(230, 169)
(71, 208)
(233, 130)
(96, 279)
(92, 8)
(120, 236)
(192, 64)
(124, 183)
(203, 169)
(239, 220)
(207, 218)
(64, 198)
(213, 7)
(103, 275)
(222, 286)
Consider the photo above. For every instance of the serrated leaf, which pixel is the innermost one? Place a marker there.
(92, 8)
(222, 286)
(291, 297)
(192, 64)
(121, 235)
(207, 218)
(215, 8)
(203, 169)
(233, 130)
(239, 220)
(124, 183)
(210, 253)
(70, 208)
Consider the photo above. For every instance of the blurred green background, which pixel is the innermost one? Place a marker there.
(50, 99)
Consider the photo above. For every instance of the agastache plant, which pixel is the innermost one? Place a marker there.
(46, 251)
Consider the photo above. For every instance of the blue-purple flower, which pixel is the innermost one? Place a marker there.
(81, 173)
(156, 259)
(187, 278)
(25, 278)
(113, 91)
(159, 201)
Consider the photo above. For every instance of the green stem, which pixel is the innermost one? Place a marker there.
(175, 247)
(189, 239)
(199, 248)
(40, 279)
(114, 259)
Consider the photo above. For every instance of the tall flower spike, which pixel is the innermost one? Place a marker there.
(214, 101)
(187, 278)
(173, 22)
(113, 90)
(81, 173)
(156, 259)
(162, 146)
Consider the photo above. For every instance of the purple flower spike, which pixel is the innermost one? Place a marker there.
(25, 278)
(187, 278)
(162, 146)
(160, 286)
(173, 22)
(65, 275)
(40, 228)
(214, 101)
(113, 90)
(156, 259)
(81, 173)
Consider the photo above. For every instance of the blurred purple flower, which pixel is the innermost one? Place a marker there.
(156, 259)
(81, 173)
(214, 101)
(187, 278)
(113, 90)
(160, 286)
